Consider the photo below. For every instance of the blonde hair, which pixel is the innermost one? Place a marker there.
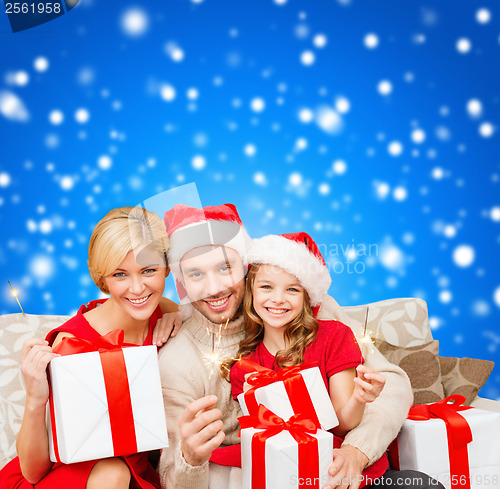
(299, 332)
(119, 232)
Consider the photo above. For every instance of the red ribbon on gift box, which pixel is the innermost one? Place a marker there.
(114, 371)
(299, 426)
(458, 433)
(294, 383)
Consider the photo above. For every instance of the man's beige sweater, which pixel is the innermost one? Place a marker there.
(186, 376)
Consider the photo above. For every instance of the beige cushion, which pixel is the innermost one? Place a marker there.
(399, 322)
(14, 330)
(422, 367)
(464, 376)
(487, 404)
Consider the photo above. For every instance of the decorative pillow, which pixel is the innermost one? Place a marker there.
(400, 322)
(422, 367)
(14, 329)
(464, 376)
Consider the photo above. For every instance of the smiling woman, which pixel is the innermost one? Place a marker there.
(127, 259)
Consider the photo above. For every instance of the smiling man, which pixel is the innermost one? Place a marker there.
(207, 257)
(213, 277)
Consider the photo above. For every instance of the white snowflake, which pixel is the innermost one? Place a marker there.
(56, 117)
(4, 179)
(339, 167)
(328, 120)
(67, 182)
(134, 22)
(342, 105)
(250, 150)
(384, 87)
(418, 136)
(307, 58)
(395, 148)
(41, 64)
(257, 104)
(371, 40)
(320, 41)
(82, 116)
(464, 256)
(104, 162)
(260, 178)
(400, 193)
(167, 92)
(486, 129)
(495, 213)
(474, 108)
(12, 107)
(496, 296)
(483, 15)
(463, 45)
(306, 115)
(198, 162)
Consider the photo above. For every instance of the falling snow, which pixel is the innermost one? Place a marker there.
(390, 141)
(134, 22)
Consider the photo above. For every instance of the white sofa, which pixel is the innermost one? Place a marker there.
(399, 322)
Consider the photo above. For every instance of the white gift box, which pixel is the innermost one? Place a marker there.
(281, 467)
(423, 446)
(81, 408)
(275, 398)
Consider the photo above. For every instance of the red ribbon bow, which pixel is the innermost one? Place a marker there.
(458, 433)
(295, 386)
(116, 383)
(299, 426)
(111, 341)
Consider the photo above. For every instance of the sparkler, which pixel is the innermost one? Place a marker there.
(14, 294)
(213, 360)
(26, 318)
(366, 338)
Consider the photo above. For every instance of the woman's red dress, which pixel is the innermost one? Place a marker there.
(74, 476)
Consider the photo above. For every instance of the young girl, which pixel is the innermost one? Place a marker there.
(285, 285)
(127, 259)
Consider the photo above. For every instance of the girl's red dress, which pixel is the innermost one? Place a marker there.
(335, 349)
(74, 476)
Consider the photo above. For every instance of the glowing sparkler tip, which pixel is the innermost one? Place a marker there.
(14, 294)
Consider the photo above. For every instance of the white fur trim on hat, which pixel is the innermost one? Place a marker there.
(208, 233)
(296, 258)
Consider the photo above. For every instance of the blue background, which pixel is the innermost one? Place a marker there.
(95, 124)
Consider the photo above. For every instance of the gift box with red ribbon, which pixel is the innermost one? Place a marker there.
(105, 400)
(457, 445)
(278, 454)
(291, 390)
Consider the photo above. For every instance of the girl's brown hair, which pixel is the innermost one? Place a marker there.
(299, 332)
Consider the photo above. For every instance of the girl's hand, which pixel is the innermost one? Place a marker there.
(35, 357)
(368, 384)
(167, 326)
(246, 385)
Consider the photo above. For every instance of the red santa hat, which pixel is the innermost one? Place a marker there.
(298, 254)
(191, 227)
